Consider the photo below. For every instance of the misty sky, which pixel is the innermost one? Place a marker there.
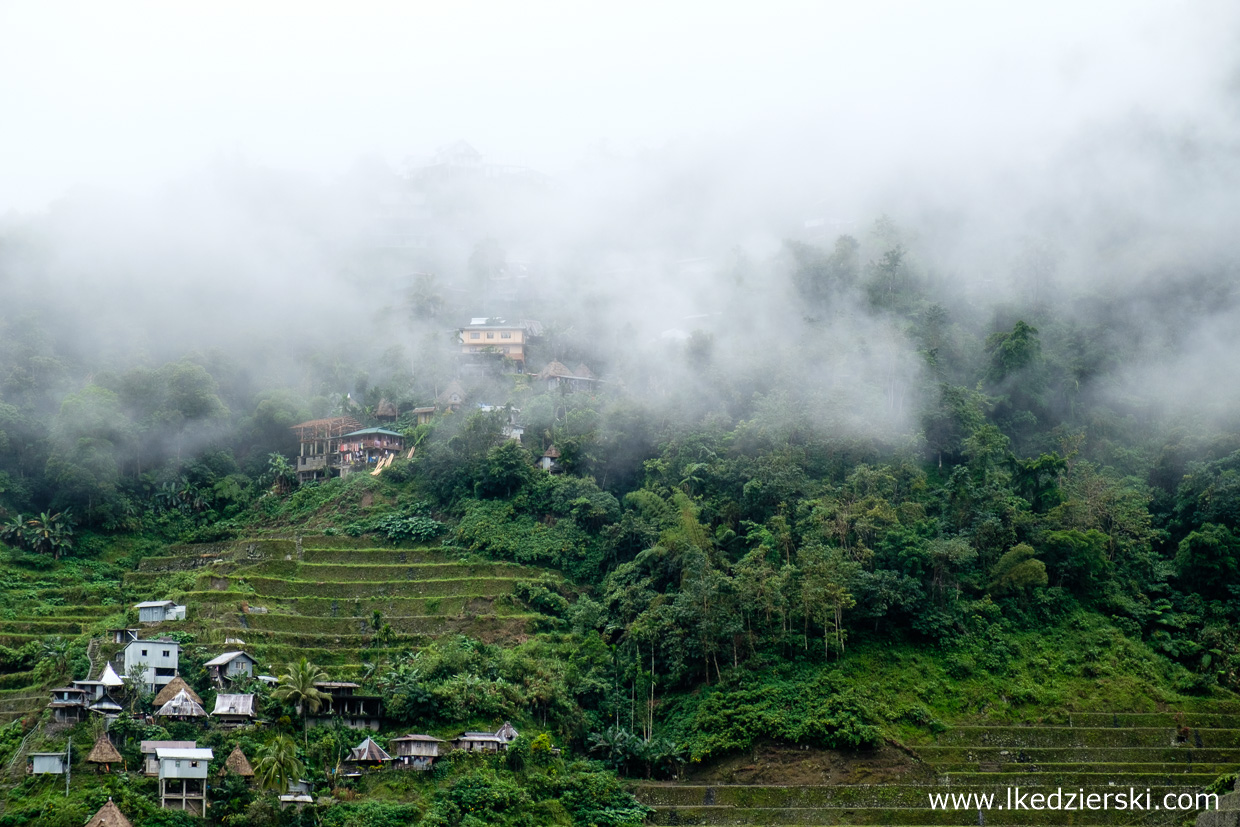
(125, 95)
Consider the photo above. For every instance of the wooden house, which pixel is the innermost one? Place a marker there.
(424, 415)
(320, 439)
(68, 704)
(365, 757)
(452, 398)
(355, 711)
(109, 815)
(366, 448)
(486, 741)
(238, 764)
(48, 763)
(104, 753)
(556, 376)
(97, 689)
(149, 749)
(415, 752)
(181, 708)
(230, 666)
(158, 611)
(234, 710)
(183, 779)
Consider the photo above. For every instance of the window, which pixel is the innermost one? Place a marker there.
(475, 335)
(143, 653)
(193, 763)
(490, 335)
(166, 654)
(505, 335)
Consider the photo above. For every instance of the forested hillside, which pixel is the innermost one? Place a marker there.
(847, 503)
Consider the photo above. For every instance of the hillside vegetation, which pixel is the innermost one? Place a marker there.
(909, 568)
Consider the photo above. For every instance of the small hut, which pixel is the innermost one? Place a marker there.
(386, 411)
(104, 753)
(236, 762)
(367, 755)
(181, 707)
(172, 688)
(109, 815)
(547, 461)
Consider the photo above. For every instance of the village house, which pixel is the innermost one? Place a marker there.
(366, 756)
(298, 795)
(181, 708)
(104, 753)
(68, 704)
(148, 749)
(556, 376)
(96, 690)
(107, 706)
(424, 415)
(415, 752)
(320, 441)
(183, 778)
(152, 663)
(158, 611)
(485, 336)
(234, 710)
(486, 741)
(230, 666)
(124, 635)
(452, 398)
(109, 815)
(366, 448)
(47, 763)
(354, 711)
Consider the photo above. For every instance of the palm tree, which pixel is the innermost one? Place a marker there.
(297, 686)
(277, 764)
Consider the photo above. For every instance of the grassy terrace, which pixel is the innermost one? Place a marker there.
(318, 596)
(1180, 749)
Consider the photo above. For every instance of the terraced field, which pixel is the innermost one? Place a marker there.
(317, 596)
(1171, 752)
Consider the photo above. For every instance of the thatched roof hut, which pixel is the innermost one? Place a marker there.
(173, 687)
(109, 815)
(237, 762)
(104, 753)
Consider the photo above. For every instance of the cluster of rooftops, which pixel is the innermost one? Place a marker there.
(182, 767)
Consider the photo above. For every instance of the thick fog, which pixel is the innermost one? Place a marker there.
(276, 185)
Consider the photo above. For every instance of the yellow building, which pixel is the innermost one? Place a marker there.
(484, 335)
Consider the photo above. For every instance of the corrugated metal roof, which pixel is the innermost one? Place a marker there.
(150, 746)
(203, 754)
(223, 659)
(365, 431)
(234, 705)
